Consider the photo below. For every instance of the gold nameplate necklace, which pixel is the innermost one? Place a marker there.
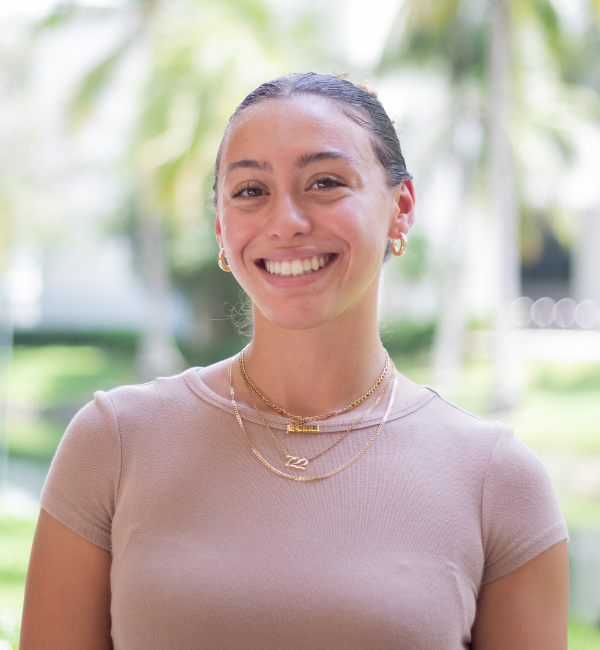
(309, 478)
(296, 462)
(300, 424)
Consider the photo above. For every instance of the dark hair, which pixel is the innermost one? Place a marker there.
(355, 101)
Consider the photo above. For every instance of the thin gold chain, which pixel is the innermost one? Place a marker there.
(335, 442)
(313, 418)
(309, 478)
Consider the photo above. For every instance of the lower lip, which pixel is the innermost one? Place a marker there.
(296, 280)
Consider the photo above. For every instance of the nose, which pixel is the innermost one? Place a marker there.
(287, 219)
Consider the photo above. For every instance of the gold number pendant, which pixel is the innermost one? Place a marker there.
(296, 463)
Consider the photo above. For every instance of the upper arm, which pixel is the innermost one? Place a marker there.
(67, 594)
(526, 608)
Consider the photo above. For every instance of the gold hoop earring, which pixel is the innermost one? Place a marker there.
(222, 263)
(399, 250)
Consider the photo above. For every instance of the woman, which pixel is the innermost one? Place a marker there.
(169, 515)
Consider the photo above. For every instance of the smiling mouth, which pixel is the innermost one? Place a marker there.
(301, 266)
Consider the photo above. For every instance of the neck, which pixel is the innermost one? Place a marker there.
(313, 371)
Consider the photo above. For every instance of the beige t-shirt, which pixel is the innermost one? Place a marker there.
(212, 550)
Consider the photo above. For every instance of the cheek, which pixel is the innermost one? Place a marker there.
(236, 233)
(363, 226)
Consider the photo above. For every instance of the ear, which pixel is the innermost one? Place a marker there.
(218, 231)
(404, 209)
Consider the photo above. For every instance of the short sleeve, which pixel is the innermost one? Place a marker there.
(520, 512)
(83, 482)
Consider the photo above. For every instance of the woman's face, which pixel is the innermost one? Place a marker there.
(304, 211)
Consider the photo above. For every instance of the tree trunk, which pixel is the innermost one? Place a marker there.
(449, 337)
(504, 210)
(158, 353)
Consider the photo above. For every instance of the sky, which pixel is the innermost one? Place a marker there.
(367, 26)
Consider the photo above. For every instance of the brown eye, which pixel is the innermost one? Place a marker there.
(326, 183)
(252, 192)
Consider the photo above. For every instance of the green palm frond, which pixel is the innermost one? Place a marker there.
(545, 15)
(65, 12)
(444, 32)
(256, 12)
(91, 87)
(431, 15)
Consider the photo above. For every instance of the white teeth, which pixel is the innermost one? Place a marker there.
(296, 267)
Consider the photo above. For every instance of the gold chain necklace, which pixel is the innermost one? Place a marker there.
(301, 422)
(309, 478)
(298, 463)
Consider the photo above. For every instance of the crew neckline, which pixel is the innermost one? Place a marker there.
(338, 423)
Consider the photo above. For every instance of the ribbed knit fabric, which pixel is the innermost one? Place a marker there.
(212, 550)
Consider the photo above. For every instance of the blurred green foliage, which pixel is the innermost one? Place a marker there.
(48, 384)
(16, 537)
(407, 338)
(125, 342)
(581, 512)
(583, 637)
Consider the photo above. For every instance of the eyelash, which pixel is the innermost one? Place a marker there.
(249, 186)
(335, 182)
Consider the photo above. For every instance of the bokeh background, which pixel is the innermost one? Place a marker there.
(110, 117)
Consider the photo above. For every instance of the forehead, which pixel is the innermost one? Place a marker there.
(277, 129)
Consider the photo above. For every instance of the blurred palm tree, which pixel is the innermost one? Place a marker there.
(198, 58)
(488, 50)
(580, 63)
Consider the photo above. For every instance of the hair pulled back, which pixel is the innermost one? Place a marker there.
(356, 102)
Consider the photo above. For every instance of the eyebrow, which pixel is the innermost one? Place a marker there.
(302, 161)
(309, 158)
(249, 163)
